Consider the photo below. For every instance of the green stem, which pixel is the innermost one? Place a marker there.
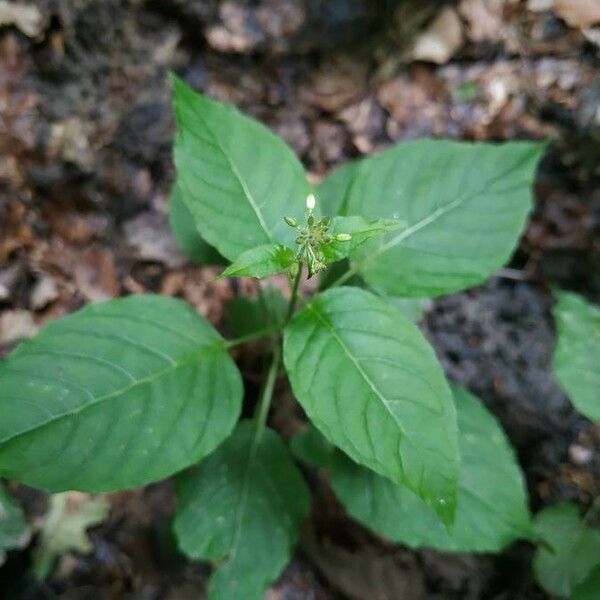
(43, 563)
(253, 336)
(262, 410)
(294, 296)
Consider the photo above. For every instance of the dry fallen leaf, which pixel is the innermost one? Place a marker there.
(44, 292)
(16, 325)
(441, 40)
(485, 19)
(338, 83)
(65, 526)
(366, 571)
(96, 274)
(25, 17)
(578, 13)
(149, 236)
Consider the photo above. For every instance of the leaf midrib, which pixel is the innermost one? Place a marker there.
(433, 216)
(240, 180)
(359, 368)
(189, 359)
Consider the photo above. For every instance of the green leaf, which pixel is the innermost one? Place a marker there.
(65, 529)
(465, 204)
(574, 549)
(186, 235)
(577, 355)
(261, 261)
(360, 229)
(371, 383)
(332, 192)
(116, 396)
(239, 180)
(590, 588)
(242, 507)
(411, 308)
(14, 532)
(248, 315)
(491, 507)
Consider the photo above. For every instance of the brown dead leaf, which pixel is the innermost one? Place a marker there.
(330, 139)
(207, 294)
(441, 40)
(172, 284)
(78, 228)
(96, 274)
(485, 19)
(10, 279)
(15, 232)
(578, 13)
(338, 83)
(365, 120)
(149, 236)
(367, 571)
(235, 33)
(281, 18)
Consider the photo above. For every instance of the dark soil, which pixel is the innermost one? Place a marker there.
(85, 172)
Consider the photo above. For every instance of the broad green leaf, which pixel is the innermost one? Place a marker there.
(248, 315)
(577, 355)
(239, 180)
(14, 532)
(491, 505)
(411, 308)
(70, 515)
(465, 205)
(243, 508)
(261, 261)
(574, 549)
(333, 190)
(370, 382)
(360, 229)
(590, 588)
(186, 235)
(116, 396)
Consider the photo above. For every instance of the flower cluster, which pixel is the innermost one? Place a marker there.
(311, 240)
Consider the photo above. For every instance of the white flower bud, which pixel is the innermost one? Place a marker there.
(311, 201)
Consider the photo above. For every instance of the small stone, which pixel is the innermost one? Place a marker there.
(580, 455)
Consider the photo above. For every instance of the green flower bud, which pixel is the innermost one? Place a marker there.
(343, 237)
(293, 270)
(291, 221)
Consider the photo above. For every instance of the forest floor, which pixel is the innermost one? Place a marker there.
(85, 174)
